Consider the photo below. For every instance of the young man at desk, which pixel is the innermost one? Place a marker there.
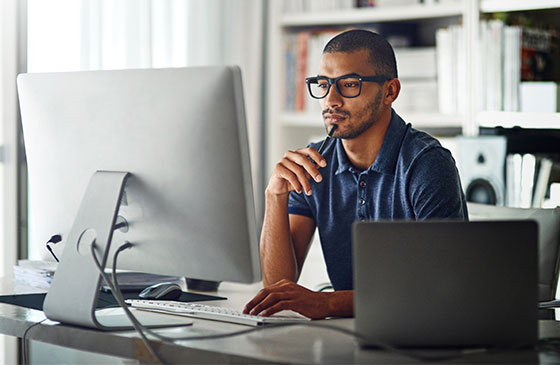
(375, 167)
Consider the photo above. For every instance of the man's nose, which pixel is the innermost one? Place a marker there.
(333, 98)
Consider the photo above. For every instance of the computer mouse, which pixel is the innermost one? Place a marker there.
(164, 291)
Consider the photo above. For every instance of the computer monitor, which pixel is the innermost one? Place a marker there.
(549, 242)
(164, 150)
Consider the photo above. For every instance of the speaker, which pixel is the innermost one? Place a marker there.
(481, 162)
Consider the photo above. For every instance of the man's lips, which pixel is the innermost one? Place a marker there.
(334, 118)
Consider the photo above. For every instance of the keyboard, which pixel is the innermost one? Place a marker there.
(210, 312)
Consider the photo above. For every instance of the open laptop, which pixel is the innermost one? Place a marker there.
(446, 283)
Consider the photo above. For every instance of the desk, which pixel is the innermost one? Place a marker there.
(296, 344)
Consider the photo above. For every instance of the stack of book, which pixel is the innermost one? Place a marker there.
(301, 58)
(299, 6)
(451, 66)
(499, 66)
(507, 56)
(527, 180)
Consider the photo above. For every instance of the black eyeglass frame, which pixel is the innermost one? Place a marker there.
(334, 81)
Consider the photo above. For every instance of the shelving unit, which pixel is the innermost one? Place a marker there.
(372, 15)
(534, 120)
(495, 6)
(290, 130)
(518, 119)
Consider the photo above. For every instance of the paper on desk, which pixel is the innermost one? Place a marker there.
(39, 274)
(34, 273)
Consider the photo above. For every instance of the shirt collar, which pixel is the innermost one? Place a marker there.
(386, 159)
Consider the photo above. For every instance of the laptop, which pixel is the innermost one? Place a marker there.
(446, 283)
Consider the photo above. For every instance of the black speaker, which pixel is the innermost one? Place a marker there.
(481, 162)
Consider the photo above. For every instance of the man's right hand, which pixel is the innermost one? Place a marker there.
(294, 171)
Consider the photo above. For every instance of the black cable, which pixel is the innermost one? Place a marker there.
(118, 296)
(23, 340)
(115, 289)
(54, 240)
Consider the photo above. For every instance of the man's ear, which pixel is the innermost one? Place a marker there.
(392, 90)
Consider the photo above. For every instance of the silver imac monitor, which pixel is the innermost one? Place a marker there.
(163, 150)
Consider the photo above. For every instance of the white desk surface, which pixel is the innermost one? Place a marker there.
(294, 344)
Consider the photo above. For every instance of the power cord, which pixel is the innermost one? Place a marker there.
(54, 240)
(142, 330)
(118, 296)
(24, 340)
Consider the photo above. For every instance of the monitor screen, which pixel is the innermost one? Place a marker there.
(180, 134)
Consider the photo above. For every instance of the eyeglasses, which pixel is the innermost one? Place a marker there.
(347, 86)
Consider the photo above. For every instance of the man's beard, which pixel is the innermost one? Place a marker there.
(366, 118)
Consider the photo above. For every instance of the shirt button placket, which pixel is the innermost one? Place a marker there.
(362, 200)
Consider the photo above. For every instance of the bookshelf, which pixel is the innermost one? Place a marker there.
(533, 120)
(493, 6)
(549, 12)
(289, 129)
(370, 15)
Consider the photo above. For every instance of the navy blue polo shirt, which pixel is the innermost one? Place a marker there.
(412, 178)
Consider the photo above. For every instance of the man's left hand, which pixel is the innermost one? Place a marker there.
(287, 295)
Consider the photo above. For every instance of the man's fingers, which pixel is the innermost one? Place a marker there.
(278, 307)
(261, 295)
(300, 157)
(299, 172)
(256, 300)
(288, 175)
(269, 301)
(315, 156)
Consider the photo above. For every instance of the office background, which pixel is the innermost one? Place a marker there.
(462, 63)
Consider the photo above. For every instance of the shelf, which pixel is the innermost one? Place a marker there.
(418, 120)
(371, 15)
(494, 6)
(519, 119)
(431, 120)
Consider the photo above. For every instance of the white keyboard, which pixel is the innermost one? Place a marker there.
(210, 312)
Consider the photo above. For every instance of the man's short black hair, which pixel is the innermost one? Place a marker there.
(381, 54)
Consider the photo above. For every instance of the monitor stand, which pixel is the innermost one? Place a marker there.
(72, 296)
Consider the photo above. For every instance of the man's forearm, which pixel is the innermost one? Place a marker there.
(278, 260)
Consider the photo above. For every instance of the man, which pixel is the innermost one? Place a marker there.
(376, 167)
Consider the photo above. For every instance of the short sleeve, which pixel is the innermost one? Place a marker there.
(434, 187)
(297, 204)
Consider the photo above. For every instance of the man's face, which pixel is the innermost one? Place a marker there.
(352, 115)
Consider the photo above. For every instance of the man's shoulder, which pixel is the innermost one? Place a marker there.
(420, 146)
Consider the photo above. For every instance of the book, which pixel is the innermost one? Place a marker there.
(541, 184)
(511, 68)
(527, 180)
(513, 180)
(536, 55)
(445, 75)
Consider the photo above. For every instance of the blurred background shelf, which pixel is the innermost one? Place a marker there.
(375, 14)
(519, 119)
(418, 120)
(494, 6)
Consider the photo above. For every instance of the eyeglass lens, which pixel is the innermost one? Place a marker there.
(348, 87)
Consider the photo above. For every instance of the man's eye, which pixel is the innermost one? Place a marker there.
(351, 84)
(322, 85)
